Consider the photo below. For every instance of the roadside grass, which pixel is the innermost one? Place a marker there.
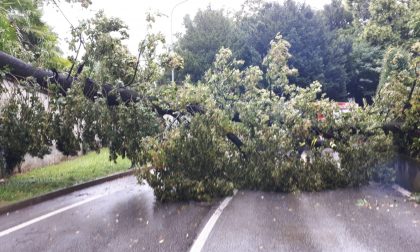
(50, 178)
(416, 197)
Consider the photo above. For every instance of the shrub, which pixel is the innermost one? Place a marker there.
(194, 162)
(23, 128)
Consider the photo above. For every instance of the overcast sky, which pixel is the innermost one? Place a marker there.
(132, 12)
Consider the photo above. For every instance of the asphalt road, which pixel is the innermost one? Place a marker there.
(367, 219)
(123, 216)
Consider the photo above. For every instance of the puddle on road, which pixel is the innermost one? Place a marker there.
(408, 174)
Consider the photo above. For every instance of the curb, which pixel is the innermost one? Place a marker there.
(60, 192)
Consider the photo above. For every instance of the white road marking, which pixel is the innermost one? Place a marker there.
(401, 190)
(43, 217)
(202, 237)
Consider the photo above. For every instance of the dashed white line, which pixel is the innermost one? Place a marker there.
(43, 217)
(202, 237)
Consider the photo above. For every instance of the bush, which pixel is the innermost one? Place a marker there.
(23, 128)
(197, 162)
(194, 162)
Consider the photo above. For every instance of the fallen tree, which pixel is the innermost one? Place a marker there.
(236, 136)
(22, 70)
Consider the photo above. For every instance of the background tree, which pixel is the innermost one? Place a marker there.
(317, 51)
(337, 16)
(25, 35)
(205, 35)
(360, 10)
(364, 68)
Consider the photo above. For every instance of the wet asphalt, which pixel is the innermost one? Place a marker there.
(371, 218)
(127, 218)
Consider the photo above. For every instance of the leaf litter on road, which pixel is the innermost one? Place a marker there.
(363, 203)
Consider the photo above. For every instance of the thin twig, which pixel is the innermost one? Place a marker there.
(77, 55)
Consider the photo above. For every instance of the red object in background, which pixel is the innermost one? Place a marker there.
(344, 108)
(320, 117)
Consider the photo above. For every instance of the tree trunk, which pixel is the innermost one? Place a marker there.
(21, 70)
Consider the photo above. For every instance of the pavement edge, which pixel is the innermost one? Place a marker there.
(402, 191)
(60, 192)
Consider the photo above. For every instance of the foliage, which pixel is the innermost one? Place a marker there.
(25, 35)
(398, 92)
(336, 16)
(192, 163)
(269, 121)
(317, 52)
(205, 35)
(341, 46)
(153, 69)
(386, 25)
(105, 54)
(399, 97)
(364, 68)
(83, 3)
(75, 121)
(173, 60)
(80, 124)
(360, 10)
(24, 128)
(127, 126)
(276, 63)
(197, 161)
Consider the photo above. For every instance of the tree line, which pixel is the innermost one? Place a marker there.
(342, 45)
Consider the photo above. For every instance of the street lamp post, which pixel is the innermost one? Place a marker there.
(172, 42)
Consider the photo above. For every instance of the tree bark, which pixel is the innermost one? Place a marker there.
(22, 70)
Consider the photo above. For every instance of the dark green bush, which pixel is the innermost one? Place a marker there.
(23, 128)
(194, 162)
(197, 162)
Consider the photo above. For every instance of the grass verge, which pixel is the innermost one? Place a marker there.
(64, 174)
(416, 197)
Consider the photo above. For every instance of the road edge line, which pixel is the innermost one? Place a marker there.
(48, 215)
(201, 239)
(61, 192)
(402, 191)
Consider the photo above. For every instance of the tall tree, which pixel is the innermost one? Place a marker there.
(336, 16)
(364, 68)
(24, 34)
(360, 10)
(317, 52)
(205, 35)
